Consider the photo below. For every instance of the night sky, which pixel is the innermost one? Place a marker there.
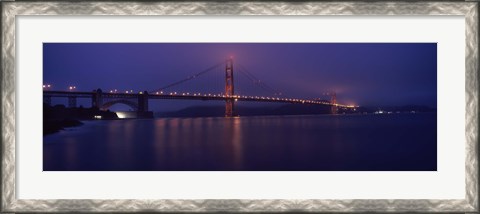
(365, 74)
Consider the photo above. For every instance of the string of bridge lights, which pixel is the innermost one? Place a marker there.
(220, 95)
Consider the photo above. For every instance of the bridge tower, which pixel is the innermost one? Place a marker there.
(229, 92)
(333, 101)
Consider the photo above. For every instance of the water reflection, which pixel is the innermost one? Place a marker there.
(237, 143)
(364, 142)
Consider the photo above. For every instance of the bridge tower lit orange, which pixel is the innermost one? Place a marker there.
(333, 101)
(229, 92)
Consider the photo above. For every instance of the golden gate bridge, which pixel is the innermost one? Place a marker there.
(139, 101)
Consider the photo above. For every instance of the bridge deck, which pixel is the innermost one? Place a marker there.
(189, 96)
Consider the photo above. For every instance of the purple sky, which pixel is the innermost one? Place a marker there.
(366, 74)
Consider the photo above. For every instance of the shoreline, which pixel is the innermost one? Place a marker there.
(55, 126)
(58, 117)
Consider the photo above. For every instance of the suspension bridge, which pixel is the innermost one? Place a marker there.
(139, 101)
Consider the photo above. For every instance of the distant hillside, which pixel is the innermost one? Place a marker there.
(397, 109)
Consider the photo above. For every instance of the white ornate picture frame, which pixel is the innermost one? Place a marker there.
(11, 10)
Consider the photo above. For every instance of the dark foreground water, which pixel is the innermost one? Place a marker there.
(326, 142)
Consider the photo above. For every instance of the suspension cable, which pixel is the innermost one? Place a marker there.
(257, 81)
(188, 78)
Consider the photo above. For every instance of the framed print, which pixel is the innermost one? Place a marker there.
(239, 106)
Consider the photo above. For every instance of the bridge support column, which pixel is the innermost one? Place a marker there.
(334, 109)
(229, 92)
(47, 100)
(97, 99)
(72, 102)
(333, 101)
(143, 102)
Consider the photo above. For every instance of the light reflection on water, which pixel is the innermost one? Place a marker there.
(288, 143)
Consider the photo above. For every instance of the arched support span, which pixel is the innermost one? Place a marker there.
(129, 103)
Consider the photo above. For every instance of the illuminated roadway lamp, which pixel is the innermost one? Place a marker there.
(46, 86)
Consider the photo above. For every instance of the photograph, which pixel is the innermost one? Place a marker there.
(239, 106)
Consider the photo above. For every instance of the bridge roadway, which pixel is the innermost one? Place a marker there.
(191, 96)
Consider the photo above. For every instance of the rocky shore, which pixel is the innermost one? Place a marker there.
(58, 117)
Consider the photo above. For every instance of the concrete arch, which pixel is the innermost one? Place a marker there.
(129, 103)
